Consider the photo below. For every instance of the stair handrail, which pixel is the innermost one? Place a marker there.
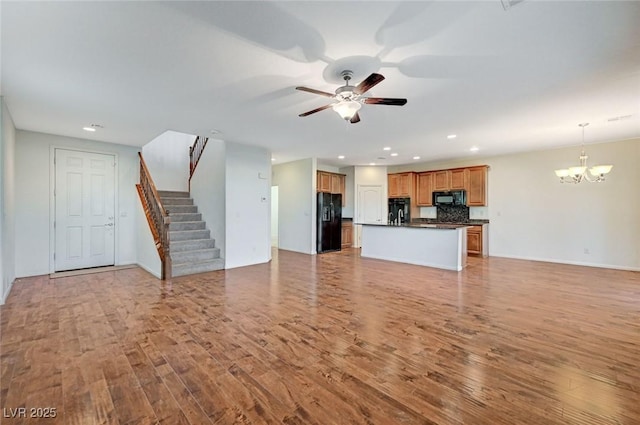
(195, 152)
(157, 217)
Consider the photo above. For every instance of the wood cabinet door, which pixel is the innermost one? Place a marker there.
(458, 179)
(425, 191)
(474, 240)
(405, 185)
(393, 182)
(441, 180)
(335, 183)
(347, 236)
(477, 186)
(324, 182)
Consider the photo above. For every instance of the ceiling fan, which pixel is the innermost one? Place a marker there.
(350, 98)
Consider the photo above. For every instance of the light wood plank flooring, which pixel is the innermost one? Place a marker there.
(327, 339)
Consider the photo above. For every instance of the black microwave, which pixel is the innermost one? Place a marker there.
(454, 197)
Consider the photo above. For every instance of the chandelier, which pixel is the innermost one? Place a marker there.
(579, 173)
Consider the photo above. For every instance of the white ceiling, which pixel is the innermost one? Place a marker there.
(502, 80)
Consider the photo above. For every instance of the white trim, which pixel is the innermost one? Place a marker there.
(52, 202)
(572, 263)
(148, 269)
(6, 294)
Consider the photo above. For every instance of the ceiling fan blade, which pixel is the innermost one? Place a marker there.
(368, 82)
(385, 101)
(322, 108)
(314, 91)
(355, 118)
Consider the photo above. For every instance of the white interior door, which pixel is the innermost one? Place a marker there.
(84, 210)
(370, 204)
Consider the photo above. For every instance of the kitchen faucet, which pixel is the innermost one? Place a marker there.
(400, 216)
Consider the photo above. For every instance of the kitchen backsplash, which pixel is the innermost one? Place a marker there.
(455, 213)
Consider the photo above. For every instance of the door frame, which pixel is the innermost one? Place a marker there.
(52, 201)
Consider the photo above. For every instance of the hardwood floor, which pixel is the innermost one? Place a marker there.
(327, 339)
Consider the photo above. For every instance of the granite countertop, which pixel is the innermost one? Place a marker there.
(421, 225)
(469, 222)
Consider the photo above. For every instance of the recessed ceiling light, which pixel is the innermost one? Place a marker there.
(273, 159)
(451, 136)
(386, 149)
(340, 156)
(372, 163)
(89, 129)
(394, 154)
(416, 157)
(474, 149)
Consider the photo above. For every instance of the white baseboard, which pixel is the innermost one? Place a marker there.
(6, 294)
(573, 263)
(149, 270)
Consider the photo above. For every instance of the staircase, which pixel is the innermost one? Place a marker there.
(190, 245)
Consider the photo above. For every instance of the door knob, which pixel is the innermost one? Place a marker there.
(109, 224)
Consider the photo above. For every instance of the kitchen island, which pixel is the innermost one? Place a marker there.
(442, 246)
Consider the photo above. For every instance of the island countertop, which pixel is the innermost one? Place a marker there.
(419, 225)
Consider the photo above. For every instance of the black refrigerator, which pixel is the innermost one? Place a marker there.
(329, 235)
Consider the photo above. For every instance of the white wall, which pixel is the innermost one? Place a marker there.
(33, 167)
(296, 183)
(208, 190)
(167, 158)
(146, 253)
(533, 216)
(349, 191)
(7, 201)
(248, 209)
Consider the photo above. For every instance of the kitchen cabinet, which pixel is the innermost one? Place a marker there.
(476, 186)
(444, 180)
(347, 234)
(477, 240)
(441, 180)
(401, 185)
(424, 184)
(474, 240)
(324, 182)
(331, 183)
(458, 179)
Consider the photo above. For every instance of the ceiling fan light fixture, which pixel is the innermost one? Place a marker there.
(347, 109)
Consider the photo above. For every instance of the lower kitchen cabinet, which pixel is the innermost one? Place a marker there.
(347, 234)
(477, 240)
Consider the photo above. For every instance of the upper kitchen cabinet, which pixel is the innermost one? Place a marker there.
(401, 185)
(444, 180)
(477, 186)
(424, 183)
(331, 183)
(441, 180)
(458, 179)
(324, 182)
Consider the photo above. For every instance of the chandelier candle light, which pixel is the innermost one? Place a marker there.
(579, 173)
